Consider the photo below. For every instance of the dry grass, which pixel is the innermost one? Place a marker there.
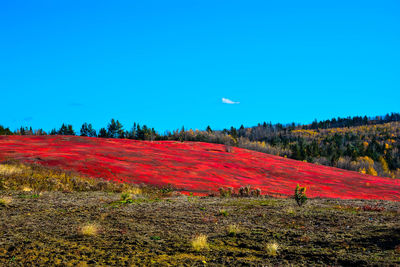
(5, 201)
(90, 229)
(233, 229)
(8, 169)
(134, 191)
(200, 242)
(272, 249)
(27, 189)
(37, 178)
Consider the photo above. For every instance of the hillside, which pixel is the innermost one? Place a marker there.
(193, 166)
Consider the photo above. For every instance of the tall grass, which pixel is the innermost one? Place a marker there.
(37, 178)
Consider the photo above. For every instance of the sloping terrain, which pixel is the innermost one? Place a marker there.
(193, 167)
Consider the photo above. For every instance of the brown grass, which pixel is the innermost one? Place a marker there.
(37, 178)
(5, 201)
(90, 229)
(200, 242)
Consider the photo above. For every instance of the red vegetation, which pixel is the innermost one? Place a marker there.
(193, 167)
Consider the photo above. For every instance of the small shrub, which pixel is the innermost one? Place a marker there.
(272, 249)
(300, 195)
(244, 191)
(233, 230)
(256, 192)
(89, 229)
(5, 201)
(228, 192)
(200, 242)
(167, 190)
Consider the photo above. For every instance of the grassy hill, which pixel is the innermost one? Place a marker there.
(193, 166)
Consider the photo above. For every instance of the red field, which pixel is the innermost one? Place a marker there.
(193, 167)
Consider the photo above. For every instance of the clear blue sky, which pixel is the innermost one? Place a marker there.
(170, 63)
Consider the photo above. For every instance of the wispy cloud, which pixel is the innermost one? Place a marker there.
(228, 101)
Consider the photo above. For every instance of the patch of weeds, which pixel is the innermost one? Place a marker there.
(167, 190)
(125, 196)
(233, 230)
(156, 237)
(200, 243)
(290, 211)
(29, 196)
(272, 249)
(202, 208)
(223, 213)
(5, 201)
(191, 197)
(12, 259)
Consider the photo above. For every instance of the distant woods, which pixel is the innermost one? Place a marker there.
(365, 144)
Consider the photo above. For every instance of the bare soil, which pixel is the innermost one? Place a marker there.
(45, 230)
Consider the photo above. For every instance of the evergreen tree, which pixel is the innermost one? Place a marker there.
(103, 133)
(115, 129)
(87, 130)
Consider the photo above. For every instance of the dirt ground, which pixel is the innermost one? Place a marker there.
(47, 230)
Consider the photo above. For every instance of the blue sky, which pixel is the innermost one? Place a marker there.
(170, 63)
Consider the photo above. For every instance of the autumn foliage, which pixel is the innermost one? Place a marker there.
(193, 166)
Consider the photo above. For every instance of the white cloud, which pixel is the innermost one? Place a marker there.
(228, 101)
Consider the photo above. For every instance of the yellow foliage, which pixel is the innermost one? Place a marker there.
(303, 131)
(362, 170)
(367, 160)
(191, 132)
(384, 164)
(371, 171)
(365, 144)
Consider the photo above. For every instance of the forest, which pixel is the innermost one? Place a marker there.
(368, 145)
